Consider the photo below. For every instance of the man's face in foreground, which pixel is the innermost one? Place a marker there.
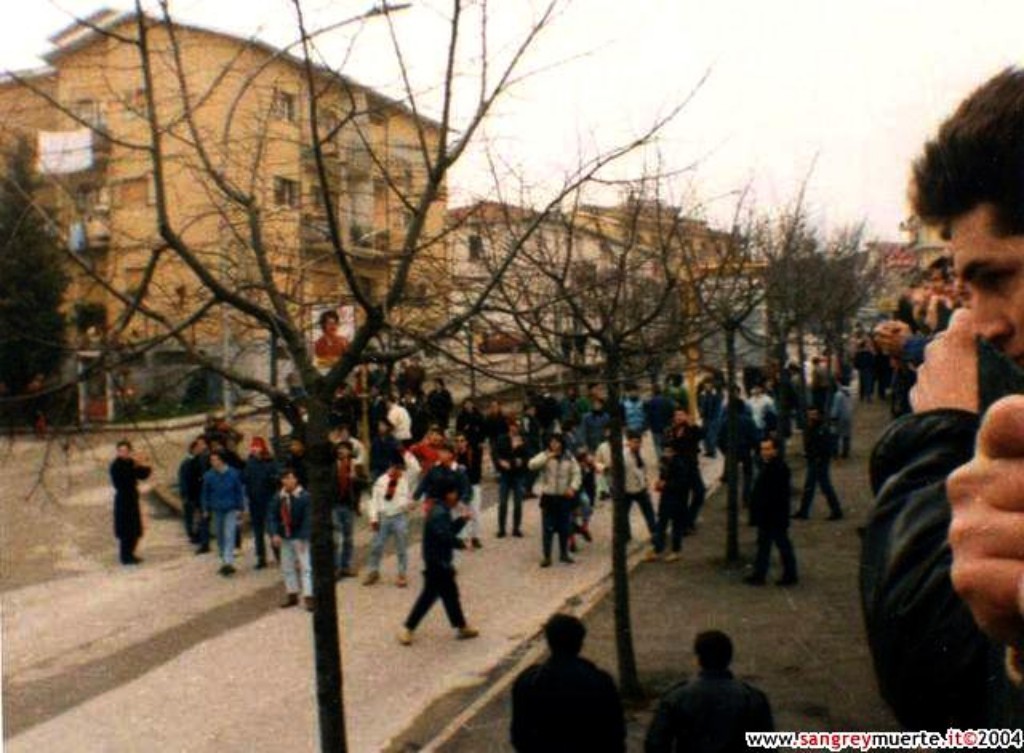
(990, 268)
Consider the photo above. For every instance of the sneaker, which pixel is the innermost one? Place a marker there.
(401, 581)
(344, 572)
(227, 570)
(546, 562)
(371, 577)
(652, 556)
(405, 637)
(673, 557)
(476, 543)
(466, 632)
(307, 602)
(290, 600)
(203, 549)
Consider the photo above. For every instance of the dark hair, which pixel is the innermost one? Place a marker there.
(346, 444)
(124, 443)
(634, 434)
(564, 634)
(327, 316)
(713, 649)
(288, 471)
(977, 157)
(219, 454)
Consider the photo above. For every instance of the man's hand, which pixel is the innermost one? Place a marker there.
(948, 378)
(987, 532)
(891, 336)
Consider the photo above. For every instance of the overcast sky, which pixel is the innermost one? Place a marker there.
(850, 88)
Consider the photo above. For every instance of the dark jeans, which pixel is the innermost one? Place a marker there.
(203, 530)
(671, 509)
(841, 448)
(127, 550)
(516, 485)
(766, 536)
(695, 492)
(818, 473)
(644, 500)
(437, 584)
(258, 516)
(190, 510)
(555, 514)
(866, 379)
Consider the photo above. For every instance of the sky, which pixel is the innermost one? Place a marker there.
(841, 95)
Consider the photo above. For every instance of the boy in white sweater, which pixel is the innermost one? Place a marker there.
(390, 503)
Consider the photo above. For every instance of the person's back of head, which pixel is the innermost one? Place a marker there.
(714, 650)
(565, 635)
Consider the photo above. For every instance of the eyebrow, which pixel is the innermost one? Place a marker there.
(974, 268)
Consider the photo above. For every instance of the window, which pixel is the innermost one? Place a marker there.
(88, 111)
(286, 192)
(283, 106)
(476, 247)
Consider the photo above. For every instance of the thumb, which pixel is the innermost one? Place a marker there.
(1002, 429)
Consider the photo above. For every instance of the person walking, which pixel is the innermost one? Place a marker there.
(566, 703)
(126, 471)
(390, 503)
(712, 712)
(841, 420)
(440, 540)
(673, 486)
(349, 480)
(770, 513)
(260, 478)
(470, 459)
(290, 521)
(190, 488)
(224, 499)
(818, 449)
(560, 479)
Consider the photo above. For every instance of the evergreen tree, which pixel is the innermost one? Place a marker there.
(32, 278)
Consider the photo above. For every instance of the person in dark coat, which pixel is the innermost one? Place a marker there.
(769, 511)
(712, 713)
(190, 489)
(470, 422)
(260, 478)
(566, 703)
(440, 540)
(125, 473)
(440, 404)
(673, 486)
(818, 449)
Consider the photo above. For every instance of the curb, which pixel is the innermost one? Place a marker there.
(535, 648)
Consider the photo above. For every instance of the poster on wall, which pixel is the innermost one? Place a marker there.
(333, 329)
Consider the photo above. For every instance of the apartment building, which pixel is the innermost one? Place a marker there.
(244, 190)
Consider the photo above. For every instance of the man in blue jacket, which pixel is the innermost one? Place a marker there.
(224, 498)
(290, 521)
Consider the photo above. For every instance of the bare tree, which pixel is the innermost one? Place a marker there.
(213, 128)
(607, 278)
(727, 288)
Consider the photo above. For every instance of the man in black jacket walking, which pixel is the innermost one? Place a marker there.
(566, 703)
(770, 513)
(440, 540)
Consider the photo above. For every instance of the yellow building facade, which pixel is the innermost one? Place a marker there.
(224, 132)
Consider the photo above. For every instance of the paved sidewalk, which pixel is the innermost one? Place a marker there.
(87, 643)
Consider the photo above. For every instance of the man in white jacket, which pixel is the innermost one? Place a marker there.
(389, 507)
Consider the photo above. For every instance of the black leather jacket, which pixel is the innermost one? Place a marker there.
(935, 668)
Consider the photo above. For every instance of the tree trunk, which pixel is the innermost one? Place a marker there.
(326, 642)
(629, 681)
(732, 537)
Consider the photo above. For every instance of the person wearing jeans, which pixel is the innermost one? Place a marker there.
(511, 458)
(560, 479)
(224, 498)
(290, 518)
(347, 486)
(390, 503)
(818, 448)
